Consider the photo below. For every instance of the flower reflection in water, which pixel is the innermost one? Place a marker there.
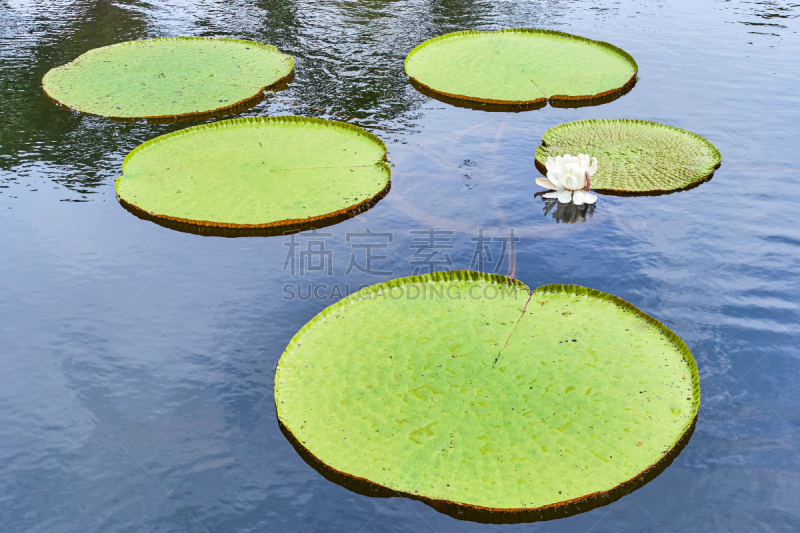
(566, 213)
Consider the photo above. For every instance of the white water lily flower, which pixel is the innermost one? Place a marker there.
(570, 177)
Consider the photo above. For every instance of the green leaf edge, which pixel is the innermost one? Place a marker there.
(183, 116)
(558, 97)
(541, 158)
(356, 208)
(619, 302)
(461, 509)
(363, 294)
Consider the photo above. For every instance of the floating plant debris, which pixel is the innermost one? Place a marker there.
(485, 400)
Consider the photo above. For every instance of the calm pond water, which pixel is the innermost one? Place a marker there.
(137, 361)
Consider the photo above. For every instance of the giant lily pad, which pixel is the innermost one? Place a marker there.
(255, 173)
(520, 67)
(169, 77)
(484, 400)
(634, 156)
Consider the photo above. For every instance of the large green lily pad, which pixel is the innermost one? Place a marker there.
(469, 392)
(168, 77)
(261, 172)
(520, 67)
(634, 156)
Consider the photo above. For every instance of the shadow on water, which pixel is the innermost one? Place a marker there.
(254, 231)
(770, 16)
(36, 130)
(489, 516)
(611, 192)
(348, 63)
(518, 108)
(566, 213)
(240, 107)
(349, 56)
(478, 106)
(87, 149)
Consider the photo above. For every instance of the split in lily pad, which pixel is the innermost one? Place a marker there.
(634, 157)
(520, 69)
(169, 78)
(485, 400)
(255, 176)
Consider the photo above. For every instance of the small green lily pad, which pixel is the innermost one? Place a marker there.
(634, 156)
(168, 77)
(259, 172)
(469, 392)
(522, 67)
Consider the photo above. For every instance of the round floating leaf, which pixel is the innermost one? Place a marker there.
(262, 172)
(469, 392)
(634, 156)
(168, 77)
(521, 67)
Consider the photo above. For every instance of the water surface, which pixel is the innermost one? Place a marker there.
(136, 391)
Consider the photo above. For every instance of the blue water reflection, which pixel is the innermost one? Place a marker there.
(136, 392)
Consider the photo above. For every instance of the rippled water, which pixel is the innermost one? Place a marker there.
(137, 362)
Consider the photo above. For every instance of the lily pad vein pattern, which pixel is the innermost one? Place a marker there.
(634, 156)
